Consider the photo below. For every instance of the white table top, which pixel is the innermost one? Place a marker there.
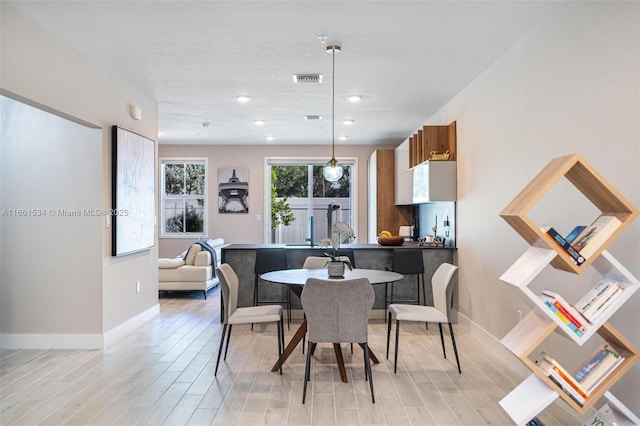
(300, 276)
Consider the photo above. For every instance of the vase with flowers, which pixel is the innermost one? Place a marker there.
(335, 265)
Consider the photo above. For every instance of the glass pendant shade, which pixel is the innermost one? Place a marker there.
(331, 171)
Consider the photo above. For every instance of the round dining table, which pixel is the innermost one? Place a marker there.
(295, 279)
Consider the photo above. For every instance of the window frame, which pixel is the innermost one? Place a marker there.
(164, 197)
(269, 161)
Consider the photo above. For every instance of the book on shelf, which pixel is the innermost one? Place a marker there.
(553, 369)
(566, 309)
(602, 362)
(595, 235)
(564, 319)
(597, 295)
(571, 236)
(559, 241)
(595, 311)
(596, 301)
(603, 417)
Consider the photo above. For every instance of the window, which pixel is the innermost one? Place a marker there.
(184, 197)
(304, 206)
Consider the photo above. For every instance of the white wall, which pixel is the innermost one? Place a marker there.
(244, 228)
(572, 86)
(41, 70)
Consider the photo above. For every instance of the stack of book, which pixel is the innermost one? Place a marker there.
(562, 378)
(567, 313)
(583, 241)
(592, 237)
(561, 242)
(601, 363)
(594, 302)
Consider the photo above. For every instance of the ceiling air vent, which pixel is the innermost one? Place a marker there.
(313, 117)
(307, 78)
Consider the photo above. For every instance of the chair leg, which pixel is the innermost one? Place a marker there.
(224, 331)
(388, 332)
(205, 294)
(364, 354)
(280, 327)
(395, 358)
(424, 297)
(307, 371)
(367, 367)
(455, 350)
(288, 308)
(386, 304)
(226, 348)
(444, 352)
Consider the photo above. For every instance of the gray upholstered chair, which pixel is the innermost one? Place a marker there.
(338, 311)
(250, 315)
(319, 262)
(441, 283)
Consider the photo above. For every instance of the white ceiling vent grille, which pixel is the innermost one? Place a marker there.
(313, 117)
(307, 78)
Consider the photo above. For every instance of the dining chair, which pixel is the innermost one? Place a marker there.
(407, 262)
(338, 311)
(319, 262)
(442, 287)
(249, 315)
(268, 260)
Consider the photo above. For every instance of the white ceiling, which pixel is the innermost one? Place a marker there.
(406, 59)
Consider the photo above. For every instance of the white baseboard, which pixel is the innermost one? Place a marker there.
(76, 341)
(51, 341)
(118, 332)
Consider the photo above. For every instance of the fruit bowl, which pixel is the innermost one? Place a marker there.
(394, 240)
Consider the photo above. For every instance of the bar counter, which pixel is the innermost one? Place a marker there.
(242, 259)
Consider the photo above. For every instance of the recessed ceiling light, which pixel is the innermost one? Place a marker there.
(343, 138)
(269, 138)
(347, 122)
(354, 98)
(259, 122)
(243, 98)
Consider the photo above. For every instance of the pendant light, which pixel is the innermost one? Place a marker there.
(332, 172)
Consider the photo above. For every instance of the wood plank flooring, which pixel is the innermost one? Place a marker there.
(162, 374)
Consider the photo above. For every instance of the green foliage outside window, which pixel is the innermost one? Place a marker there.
(184, 185)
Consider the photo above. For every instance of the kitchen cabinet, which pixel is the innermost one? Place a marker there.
(384, 214)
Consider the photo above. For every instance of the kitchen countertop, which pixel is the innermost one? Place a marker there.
(408, 244)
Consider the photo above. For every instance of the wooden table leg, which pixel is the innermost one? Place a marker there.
(291, 346)
(343, 372)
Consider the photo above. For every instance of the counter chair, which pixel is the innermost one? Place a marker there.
(442, 283)
(267, 260)
(407, 262)
(338, 311)
(249, 315)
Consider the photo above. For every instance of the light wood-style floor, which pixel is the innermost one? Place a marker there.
(163, 374)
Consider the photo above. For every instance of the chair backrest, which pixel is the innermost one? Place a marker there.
(270, 259)
(319, 262)
(440, 282)
(407, 261)
(337, 310)
(229, 283)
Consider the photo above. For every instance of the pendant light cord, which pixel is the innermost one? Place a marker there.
(333, 105)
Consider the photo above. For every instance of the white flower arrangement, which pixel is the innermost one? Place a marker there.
(340, 231)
